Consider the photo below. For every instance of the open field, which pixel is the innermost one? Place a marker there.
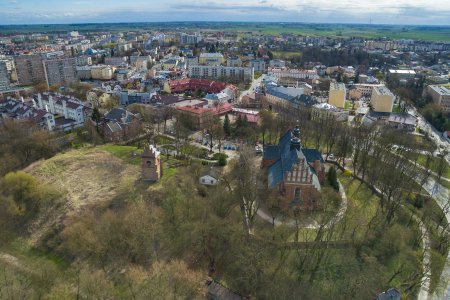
(430, 33)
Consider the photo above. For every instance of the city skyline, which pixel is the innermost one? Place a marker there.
(418, 12)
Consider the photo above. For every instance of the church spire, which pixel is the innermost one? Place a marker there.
(295, 140)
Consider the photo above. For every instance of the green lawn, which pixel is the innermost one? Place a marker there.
(434, 164)
(124, 153)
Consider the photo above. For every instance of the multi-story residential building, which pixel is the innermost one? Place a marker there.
(277, 63)
(102, 72)
(11, 108)
(286, 76)
(211, 59)
(440, 95)
(382, 99)
(402, 74)
(191, 61)
(337, 93)
(59, 71)
(127, 98)
(234, 61)
(216, 72)
(190, 39)
(72, 111)
(83, 60)
(84, 72)
(115, 61)
(258, 64)
(30, 69)
(365, 90)
(140, 62)
(123, 74)
(4, 77)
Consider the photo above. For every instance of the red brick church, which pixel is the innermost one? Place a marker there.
(294, 172)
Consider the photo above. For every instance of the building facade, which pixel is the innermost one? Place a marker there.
(217, 72)
(151, 164)
(294, 173)
(211, 59)
(4, 77)
(60, 71)
(30, 69)
(337, 94)
(382, 99)
(440, 95)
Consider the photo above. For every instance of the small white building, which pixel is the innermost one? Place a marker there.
(209, 178)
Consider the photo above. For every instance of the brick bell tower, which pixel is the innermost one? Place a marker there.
(151, 164)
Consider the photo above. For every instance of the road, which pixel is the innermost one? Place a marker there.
(435, 135)
(251, 89)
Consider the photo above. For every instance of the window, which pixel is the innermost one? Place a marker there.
(297, 193)
(203, 180)
(212, 181)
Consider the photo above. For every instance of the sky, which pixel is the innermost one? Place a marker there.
(423, 12)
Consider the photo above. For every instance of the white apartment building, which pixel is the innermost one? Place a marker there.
(287, 73)
(216, 72)
(67, 107)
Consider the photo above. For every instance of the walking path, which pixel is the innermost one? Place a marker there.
(313, 225)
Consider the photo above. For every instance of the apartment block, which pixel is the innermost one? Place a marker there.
(336, 96)
(217, 72)
(211, 59)
(190, 39)
(30, 69)
(59, 71)
(102, 72)
(440, 95)
(4, 77)
(382, 99)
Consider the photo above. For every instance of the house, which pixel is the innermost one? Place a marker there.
(252, 100)
(21, 110)
(210, 177)
(294, 172)
(120, 124)
(402, 121)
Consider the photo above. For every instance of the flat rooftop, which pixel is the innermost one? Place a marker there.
(337, 86)
(441, 90)
(382, 90)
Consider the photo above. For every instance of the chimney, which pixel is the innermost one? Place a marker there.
(21, 100)
(66, 115)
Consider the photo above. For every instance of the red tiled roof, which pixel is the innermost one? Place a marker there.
(182, 85)
(222, 109)
(193, 109)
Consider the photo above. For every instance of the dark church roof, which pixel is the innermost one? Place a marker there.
(286, 157)
(312, 155)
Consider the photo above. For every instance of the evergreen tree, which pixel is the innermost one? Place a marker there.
(332, 178)
(226, 126)
(96, 116)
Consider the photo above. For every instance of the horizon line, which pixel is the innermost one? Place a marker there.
(247, 22)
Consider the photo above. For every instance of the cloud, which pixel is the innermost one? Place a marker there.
(344, 11)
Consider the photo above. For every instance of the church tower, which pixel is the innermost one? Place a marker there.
(295, 140)
(151, 164)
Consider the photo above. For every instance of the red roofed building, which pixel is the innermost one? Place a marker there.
(193, 84)
(220, 110)
(201, 117)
